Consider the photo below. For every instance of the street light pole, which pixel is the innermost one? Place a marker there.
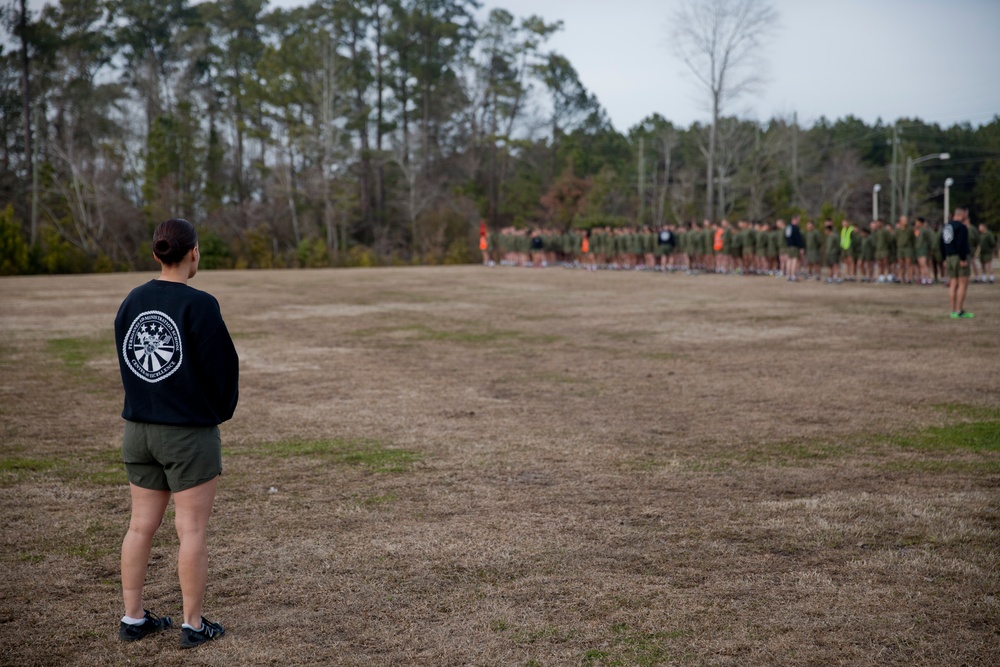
(894, 174)
(948, 182)
(909, 166)
(875, 191)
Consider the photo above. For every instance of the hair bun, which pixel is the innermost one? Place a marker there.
(163, 246)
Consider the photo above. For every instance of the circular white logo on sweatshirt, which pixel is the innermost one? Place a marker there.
(948, 234)
(152, 347)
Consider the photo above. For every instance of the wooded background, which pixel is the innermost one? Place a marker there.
(362, 132)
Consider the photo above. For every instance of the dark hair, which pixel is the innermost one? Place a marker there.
(173, 239)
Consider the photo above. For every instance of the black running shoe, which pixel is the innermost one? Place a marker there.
(150, 623)
(209, 631)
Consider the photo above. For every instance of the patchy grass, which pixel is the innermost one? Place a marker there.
(979, 466)
(369, 454)
(629, 647)
(101, 469)
(798, 453)
(31, 557)
(533, 635)
(18, 464)
(95, 542)
(16, 469)
(378, 500)
(972, 436)
(76, 352)
(970, 411)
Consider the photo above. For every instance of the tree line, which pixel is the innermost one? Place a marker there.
(361, 132)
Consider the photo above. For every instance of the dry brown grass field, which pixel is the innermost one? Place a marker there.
(472, 466)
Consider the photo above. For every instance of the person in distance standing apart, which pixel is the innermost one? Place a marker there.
(794, 248)
(180, 372)
(955, 247)
(987, 248)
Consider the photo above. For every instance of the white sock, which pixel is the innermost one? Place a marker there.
(128, 620)
(185, 625)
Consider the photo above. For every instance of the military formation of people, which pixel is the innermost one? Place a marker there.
(879, 252)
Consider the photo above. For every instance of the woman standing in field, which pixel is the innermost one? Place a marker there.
(180, 372)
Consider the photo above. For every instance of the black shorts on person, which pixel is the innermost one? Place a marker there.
(161, 457)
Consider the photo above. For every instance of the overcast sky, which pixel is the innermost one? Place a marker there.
(938, 60)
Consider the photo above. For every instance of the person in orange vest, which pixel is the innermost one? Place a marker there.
(718, 235)
(586, 258)
(484, 244)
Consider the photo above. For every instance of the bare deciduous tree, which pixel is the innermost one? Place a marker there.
(666, 141)
(736, 140)
(760, 174)
(721, 43)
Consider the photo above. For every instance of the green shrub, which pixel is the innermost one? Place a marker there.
(103, 264)
(215, 254)
(260, 247)
(312, 253)
(459, 252)
(361, 256)
(14, 255)
(60, 256)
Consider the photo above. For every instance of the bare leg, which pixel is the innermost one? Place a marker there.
(147, 514)
(194, 507)
(963, 287)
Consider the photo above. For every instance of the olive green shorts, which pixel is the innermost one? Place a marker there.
(956, 271)
(171, 458)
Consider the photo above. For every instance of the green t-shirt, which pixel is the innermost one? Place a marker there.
(831, 247)
(925, 242)
(773, 243)
(761, 249)
(882, 237)
(904, 238)
(987, 245)
(812, 240)
(973, 237)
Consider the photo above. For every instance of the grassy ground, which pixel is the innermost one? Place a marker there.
(470, 466)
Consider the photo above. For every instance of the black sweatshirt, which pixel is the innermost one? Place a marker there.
(793, 237)
(178, 363)
(955, 240)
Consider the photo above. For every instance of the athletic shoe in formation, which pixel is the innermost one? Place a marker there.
(209, 631)
(150, 623)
